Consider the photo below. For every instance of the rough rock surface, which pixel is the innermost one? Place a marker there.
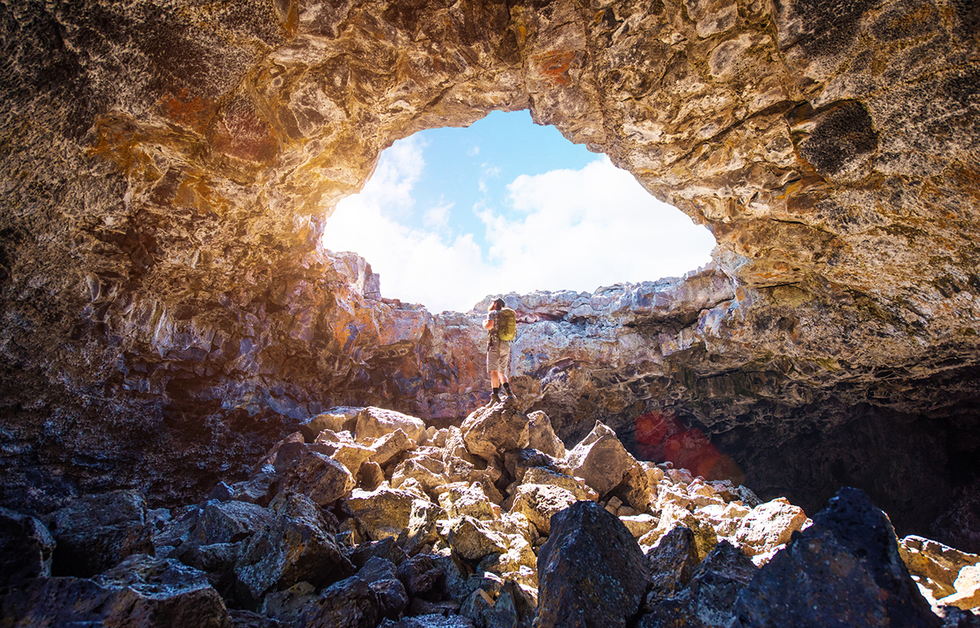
(168, 167)
(460, 553)
(848, 553)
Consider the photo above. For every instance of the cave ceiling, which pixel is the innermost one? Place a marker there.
(168, 168)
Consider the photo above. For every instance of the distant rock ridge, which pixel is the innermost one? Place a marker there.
(366, 517)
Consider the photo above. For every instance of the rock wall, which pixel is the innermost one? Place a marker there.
(167, 168)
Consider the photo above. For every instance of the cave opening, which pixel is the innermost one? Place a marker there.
(452, 215)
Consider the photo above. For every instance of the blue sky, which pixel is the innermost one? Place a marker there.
(453, 215)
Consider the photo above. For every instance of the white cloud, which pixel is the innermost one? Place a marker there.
(574, 230)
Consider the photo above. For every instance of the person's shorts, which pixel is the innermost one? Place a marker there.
(498, 357)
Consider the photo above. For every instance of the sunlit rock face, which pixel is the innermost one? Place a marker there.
(167, 168)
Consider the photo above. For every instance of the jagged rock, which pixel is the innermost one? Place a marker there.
(426, 470)
(716, 583)
(541, 435)
(317, 475)
(671, 516)
(384, 512)
(26, 548)
(474, 540)
(166, 594)
(639, 525)
(544, 475)
(517, 462)
(350, 603)
(572, 591)
(539, 502)
(387, 549)
(934, 566)
(230, 521)
(768, 526)
(335, 420)
(672, 562)
(344, 450)
(600, 459)
(95, 532)
(471, 500)
(706, 601)
(493, 430)
(255, 490)
(376, 422)
(387, 447)
(849, 553)
(420, 575)
(295, 547)
(634, 489)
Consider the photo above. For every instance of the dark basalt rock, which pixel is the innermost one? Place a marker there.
(574, 589)
(849, 553)
(26, 548)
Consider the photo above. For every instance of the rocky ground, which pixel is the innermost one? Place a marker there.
(367, 517)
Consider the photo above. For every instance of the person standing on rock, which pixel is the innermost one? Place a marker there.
(500, 323)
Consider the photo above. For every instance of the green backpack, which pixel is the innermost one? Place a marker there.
(506, 324)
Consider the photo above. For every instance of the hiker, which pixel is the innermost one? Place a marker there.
(501, 323)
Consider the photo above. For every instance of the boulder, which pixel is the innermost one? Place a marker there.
(849, 553)
(543, 475)
(344, 450)
(383, 512)
(672, 561)
(370, 476)
(705, 538)
(459, 499)
(634, 489)
(426, 470)
(541, 435)
(295, 547)
(600, 459)
(26, 548)
(350, 603)
(230, 521)
(335, 420)
(421, 575)
(716, 583)
(385, 448)
(320, 477)
(769, 525)
(934, 566)
(573, 591)
(639, 525)
(494, 430)
(539, 502)
(164, 595)
(474, 540)
(376, 422)
(95, 532)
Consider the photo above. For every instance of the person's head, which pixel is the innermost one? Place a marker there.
(497, 305)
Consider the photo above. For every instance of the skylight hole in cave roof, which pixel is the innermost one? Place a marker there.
(453, 215)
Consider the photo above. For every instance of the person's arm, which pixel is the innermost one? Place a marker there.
(487, 323)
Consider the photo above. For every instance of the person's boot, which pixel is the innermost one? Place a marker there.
(510, 393)
(495, 397)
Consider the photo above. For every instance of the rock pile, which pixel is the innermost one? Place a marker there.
(366, 517)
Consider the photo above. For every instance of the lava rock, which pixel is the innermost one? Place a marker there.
(26, 548)
(95, 532)
(574, 591)
(849, 553)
